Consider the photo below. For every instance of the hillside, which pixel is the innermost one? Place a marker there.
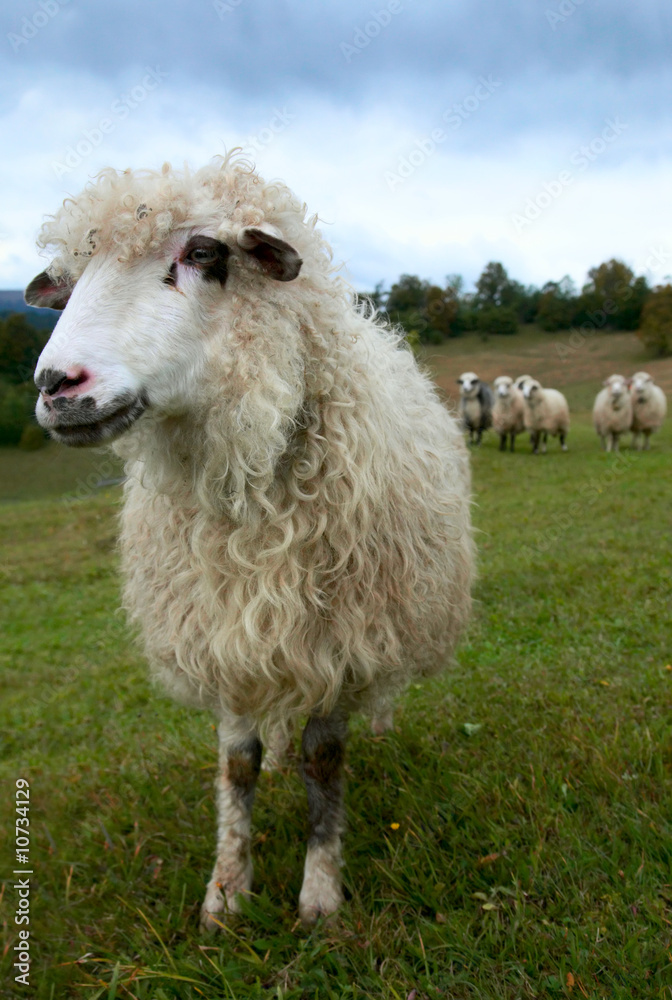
(12, 301)
(560, 360)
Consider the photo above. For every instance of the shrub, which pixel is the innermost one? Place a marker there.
(32, 438)
(656, 324)
(17, 405)
(499, 321)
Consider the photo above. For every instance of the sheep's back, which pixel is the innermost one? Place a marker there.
(606, 419)
(650, 414)
(508, 414)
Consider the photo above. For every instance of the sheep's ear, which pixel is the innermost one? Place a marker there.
(47, 293)
(277, 258)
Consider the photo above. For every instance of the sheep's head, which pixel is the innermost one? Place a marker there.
(143, 292)
(640, 385)
(521, 380)
(503, 386)
(616, 386)
(532, 391)
(469, 384)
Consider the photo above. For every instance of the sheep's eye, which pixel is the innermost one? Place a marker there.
(203, 255)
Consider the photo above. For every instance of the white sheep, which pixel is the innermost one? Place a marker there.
(296, 531)
(475, 405)
(649, 408)
(508, 413)
(546, 412)
(521, 380)
(612, 411)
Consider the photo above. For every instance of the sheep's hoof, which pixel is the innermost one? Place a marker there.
(321, 892)
(218, 909)
(325, 908)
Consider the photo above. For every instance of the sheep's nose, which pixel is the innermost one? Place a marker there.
(71, 382)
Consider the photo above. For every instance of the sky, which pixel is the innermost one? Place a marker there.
(430, 136)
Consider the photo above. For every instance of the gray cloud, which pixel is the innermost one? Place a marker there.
(268, 47)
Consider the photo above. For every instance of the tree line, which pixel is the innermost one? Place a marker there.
(611, 299)
(21, 344)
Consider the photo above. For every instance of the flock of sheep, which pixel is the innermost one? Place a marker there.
(636, 404)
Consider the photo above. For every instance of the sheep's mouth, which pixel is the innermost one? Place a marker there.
(72, 430)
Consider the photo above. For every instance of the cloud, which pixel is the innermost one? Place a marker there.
(514, 92)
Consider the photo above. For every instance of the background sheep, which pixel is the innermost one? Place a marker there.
(546, 412)
(475, 405)
(508, 417)
(295, 533)
(612, 412)
(649, 407)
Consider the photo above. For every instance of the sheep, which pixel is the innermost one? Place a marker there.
(521, 380)
(612, 411)
(475, 405)
(295, 533)
(649, 408)
(546, 412)
(508, 417)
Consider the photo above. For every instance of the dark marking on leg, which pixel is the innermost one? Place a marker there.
(513, 441)
(323, 753)
(243, 763)
(502, 442)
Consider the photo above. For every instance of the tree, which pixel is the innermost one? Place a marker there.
(557, 304)
(612, 297)
(407, 295)
(442, 306)
(656, 325)
(494, 288)
(423, 309)
(20, 347)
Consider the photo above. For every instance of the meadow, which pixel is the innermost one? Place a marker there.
(510, 839)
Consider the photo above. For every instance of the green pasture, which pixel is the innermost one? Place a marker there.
(511, 838)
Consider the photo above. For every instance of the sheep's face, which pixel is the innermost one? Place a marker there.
(469, 384)
(134, 335)
(640, 384)
(503, 386)
(616, 386)
(532, 391)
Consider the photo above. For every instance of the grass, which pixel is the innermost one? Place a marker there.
(510, 839)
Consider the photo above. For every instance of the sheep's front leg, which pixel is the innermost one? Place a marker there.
(239, 763)
(323, 751)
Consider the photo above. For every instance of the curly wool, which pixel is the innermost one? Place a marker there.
(302, 537)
